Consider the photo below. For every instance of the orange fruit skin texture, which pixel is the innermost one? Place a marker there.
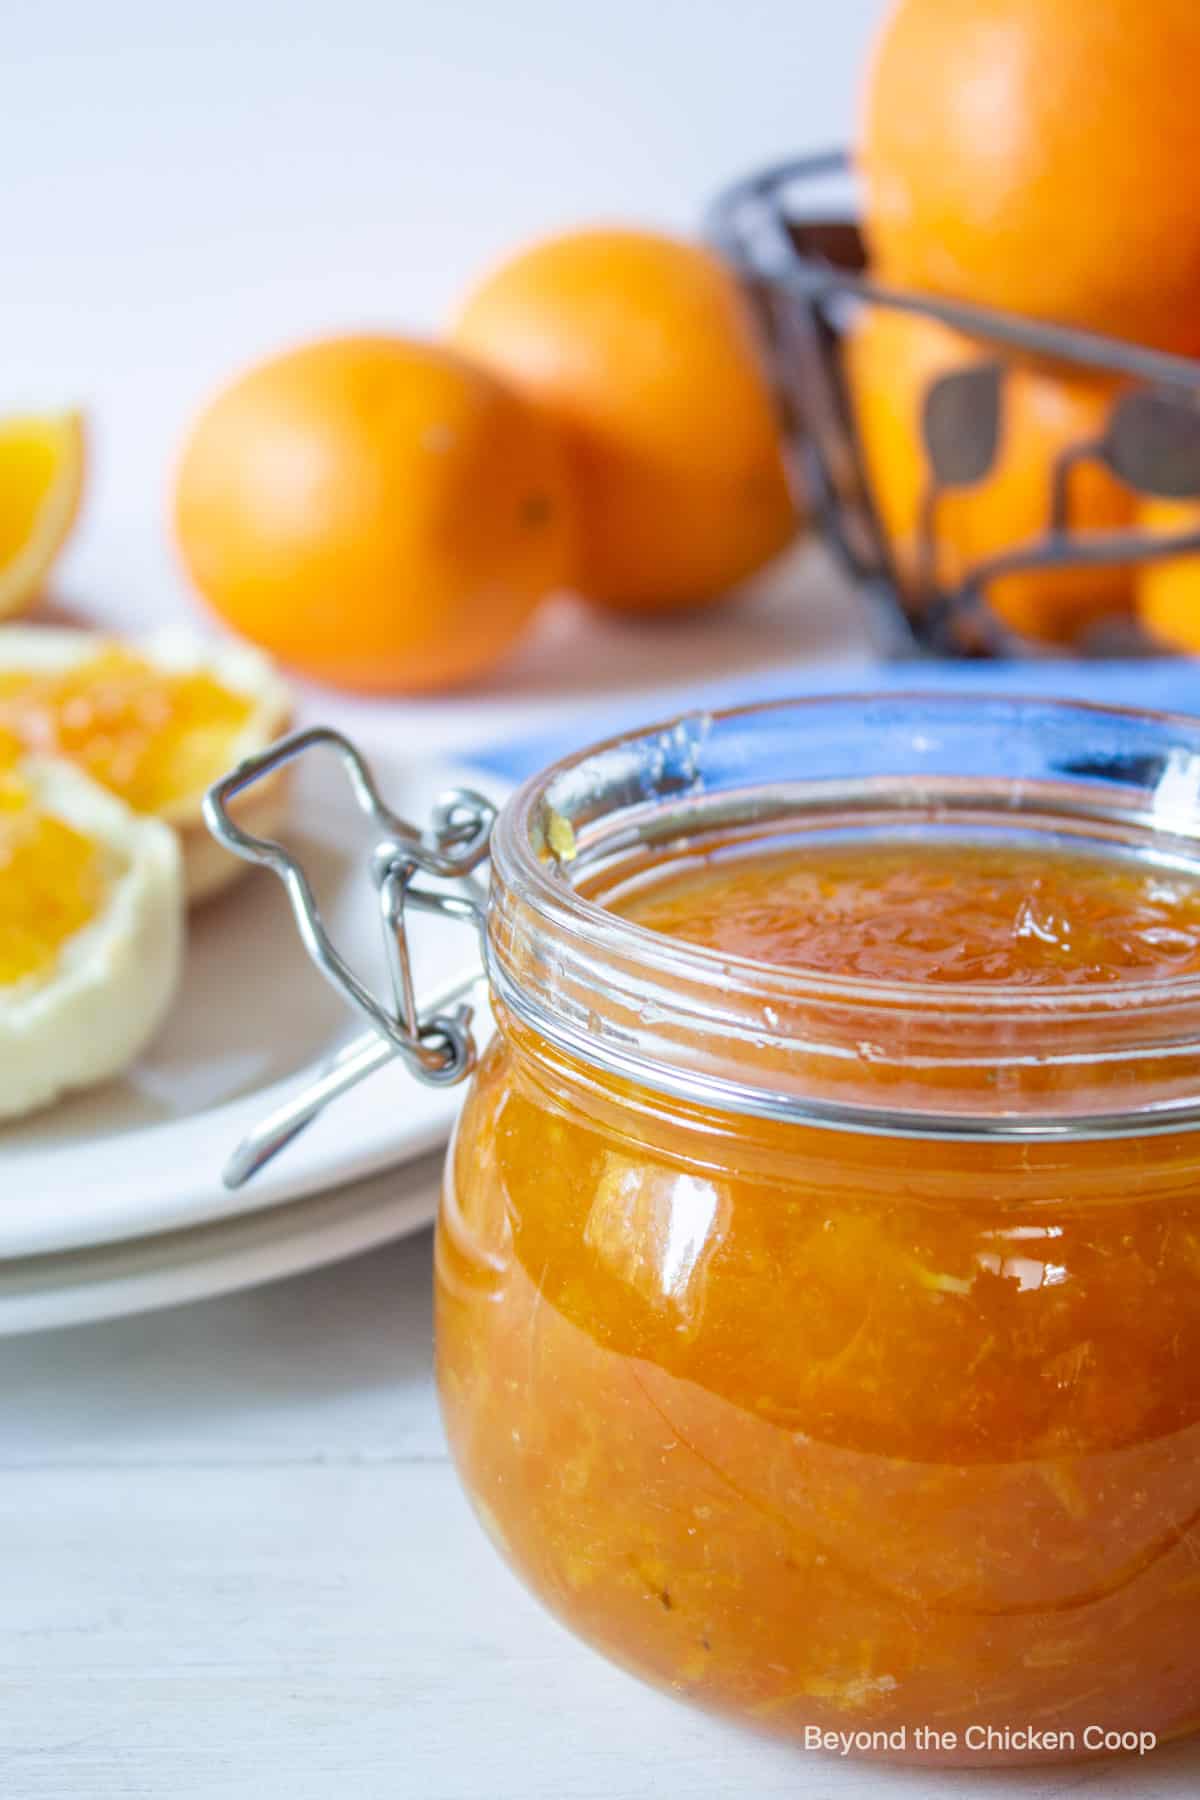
(645, 351)
(891, 360)
(378, 513)
(1043, 157)
(1168, 592)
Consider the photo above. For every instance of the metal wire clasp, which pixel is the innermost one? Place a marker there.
(436, 1045)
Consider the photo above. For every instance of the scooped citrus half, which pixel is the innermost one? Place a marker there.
(154, 723)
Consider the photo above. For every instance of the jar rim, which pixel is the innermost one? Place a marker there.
(1112, 769)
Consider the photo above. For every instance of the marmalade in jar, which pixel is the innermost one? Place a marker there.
(868, 1432)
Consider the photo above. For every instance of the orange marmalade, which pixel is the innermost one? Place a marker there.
(946, 913)
(838, 1369)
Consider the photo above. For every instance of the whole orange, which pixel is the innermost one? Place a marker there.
(379, 513)
(891, 360)
(1042, 156)
(645, 351)
(1168, 592)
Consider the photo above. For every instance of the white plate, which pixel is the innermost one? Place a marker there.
(38, 1293)
(144, 1154)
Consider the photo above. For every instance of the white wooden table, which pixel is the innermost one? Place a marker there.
(236, 1562)
(234, 1559)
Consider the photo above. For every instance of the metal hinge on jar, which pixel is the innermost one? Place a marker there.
(435, 1041)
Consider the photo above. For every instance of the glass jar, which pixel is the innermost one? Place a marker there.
(823, 1349)
(827, 1351)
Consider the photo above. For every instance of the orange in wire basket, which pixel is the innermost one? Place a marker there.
(1042, 156)
(891, 360)
(379, 513)
(1168, 592)
(644, 350)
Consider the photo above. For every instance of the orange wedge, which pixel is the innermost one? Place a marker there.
(41, 481)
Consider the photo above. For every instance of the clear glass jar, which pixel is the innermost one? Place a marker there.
(828, 1351)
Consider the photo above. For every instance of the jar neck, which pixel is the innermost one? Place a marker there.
(742, 1037)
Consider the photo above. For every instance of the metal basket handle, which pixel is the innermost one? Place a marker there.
(435, 1043)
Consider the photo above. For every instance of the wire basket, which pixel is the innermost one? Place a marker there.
(792, 232)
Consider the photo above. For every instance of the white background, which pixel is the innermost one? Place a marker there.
(186, 187)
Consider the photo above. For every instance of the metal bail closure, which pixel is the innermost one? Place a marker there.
(435, 1042)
